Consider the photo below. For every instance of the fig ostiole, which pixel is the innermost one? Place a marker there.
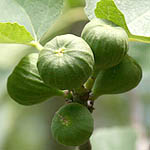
(66, 62)
(108, 42)
(118, 79)
(72, 124)
(25, 86)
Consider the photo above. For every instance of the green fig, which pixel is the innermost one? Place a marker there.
(72, 125)
(66, 62)
(118, 79)
(25, 86)
(108, 41)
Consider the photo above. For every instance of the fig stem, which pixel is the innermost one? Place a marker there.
(37, 45)
(86, 146)
(89, 83)
(137, 40)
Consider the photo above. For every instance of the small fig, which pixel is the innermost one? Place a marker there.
(72, 125)
(66, 62)
(108, 41)
(118, 79)
(25, 86)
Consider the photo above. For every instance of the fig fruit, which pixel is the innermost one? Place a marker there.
(25, 86)
(118, 79)
(66, 62)
(108, 41)
(72, 124)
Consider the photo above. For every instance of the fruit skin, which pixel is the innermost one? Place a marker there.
(66, 62)
(108, 41)
(118, 79)
(25, 86)
(72, 125)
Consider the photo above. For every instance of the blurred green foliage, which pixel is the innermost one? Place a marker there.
(75, 3)
(123, 138)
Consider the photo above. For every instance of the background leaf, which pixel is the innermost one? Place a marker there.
(90, 7)
(36, 15)
(107, 9)
(137, 15)
(114, 139)
(11, 11)
(14, 33)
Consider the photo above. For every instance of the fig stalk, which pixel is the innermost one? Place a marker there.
(37, 45)
(86, 146)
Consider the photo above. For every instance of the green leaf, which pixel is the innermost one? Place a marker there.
(107, 9)
(36, 15)
(14, 33)
(132, 20)
(114, 139)
(137, 15)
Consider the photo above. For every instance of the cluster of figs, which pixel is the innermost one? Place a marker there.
(67, 62)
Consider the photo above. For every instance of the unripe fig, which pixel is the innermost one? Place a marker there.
(25, 86)
(108, 41)
(72, 124)
(66, 62)
(118, 79)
